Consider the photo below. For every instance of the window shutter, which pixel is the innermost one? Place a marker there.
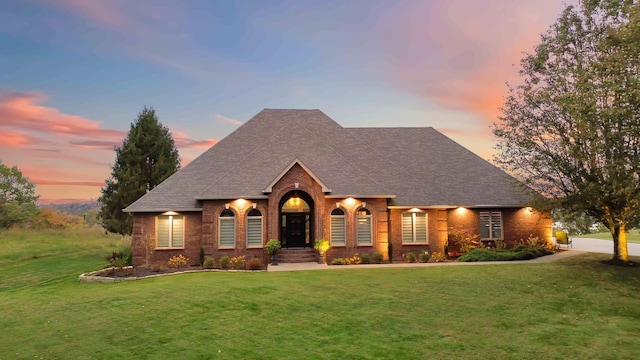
(364, 229)
(421, 227)
(162, 233)
(254, 231)
(485, 225)
(337, 230)
(407, 227)
(227, 232)
(177, 234)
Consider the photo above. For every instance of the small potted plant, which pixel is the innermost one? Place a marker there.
(322, 245)
(272, 248)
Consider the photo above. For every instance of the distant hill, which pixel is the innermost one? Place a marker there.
(73, 208)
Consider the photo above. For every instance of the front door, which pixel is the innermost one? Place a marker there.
(296, 229)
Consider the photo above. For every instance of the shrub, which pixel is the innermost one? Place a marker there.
(338, 261)
(424, 257)
(178, 261)
(237, 262)
(209, 263)
(158, 268)
(272, 246)
(353, 260)
(536, 242)
(518, 253)
(437, 257)
(464, 239)
(120, 258)
(410, 257)
(254, 263)
(224, 261)
(377, 257)
(365, 259)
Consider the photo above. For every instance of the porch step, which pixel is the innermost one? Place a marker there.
(296, 255)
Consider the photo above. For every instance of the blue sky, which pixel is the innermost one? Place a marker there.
(76, 73)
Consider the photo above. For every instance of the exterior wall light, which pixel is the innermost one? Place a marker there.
(226, 206)
(364, 204)
(254, 205)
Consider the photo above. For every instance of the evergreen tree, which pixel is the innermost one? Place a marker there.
(17, 197)
(571, 130)
(146, 158)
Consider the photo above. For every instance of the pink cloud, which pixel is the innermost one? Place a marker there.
(21, 111)
(183, 140)
(459, 54)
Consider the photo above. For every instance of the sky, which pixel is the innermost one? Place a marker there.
(74, 74)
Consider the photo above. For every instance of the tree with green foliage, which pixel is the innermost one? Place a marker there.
(571, 129)
(17, 197)
(146, 158)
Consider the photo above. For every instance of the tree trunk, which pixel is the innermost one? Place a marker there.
(620, 251)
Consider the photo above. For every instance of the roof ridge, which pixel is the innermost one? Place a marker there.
(383, 187)
(237, 163)
(378, 152)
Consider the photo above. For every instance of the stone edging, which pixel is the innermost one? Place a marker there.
(94, 276)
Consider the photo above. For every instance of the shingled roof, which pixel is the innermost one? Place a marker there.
(410, 166)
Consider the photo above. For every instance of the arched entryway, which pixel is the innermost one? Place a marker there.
(296, 219)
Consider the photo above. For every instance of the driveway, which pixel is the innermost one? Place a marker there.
(602, 246)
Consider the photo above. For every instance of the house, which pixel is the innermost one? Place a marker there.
(297, 176)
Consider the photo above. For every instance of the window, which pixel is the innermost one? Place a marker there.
(227, 229)
(254, 229)
(414, 228)
(337, 227)
(363, 227)
(490, 225)
(170, 231)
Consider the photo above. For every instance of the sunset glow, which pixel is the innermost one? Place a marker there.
(75, 79)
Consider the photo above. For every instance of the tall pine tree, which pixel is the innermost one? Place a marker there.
(146, 158)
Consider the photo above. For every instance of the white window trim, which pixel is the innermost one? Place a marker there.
(171, 247)
(414, 231)
(261, 232)
(344, 227)
(234, 232)
(491, 215)
(370, 217)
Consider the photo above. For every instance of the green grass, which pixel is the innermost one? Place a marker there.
(574, 308)
(633, 236)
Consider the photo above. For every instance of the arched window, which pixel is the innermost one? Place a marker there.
(363, 226)
(254, 229)
(227, 229)
(337, 228)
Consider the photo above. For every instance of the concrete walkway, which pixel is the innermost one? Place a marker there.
(602, 246)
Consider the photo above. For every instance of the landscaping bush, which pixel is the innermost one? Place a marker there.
(424, 257)
(353, 260)
(365, 259)
(437, 257)
(254, 263)
(177, 261)
(209, 263)
(237, 262)
(518, 253)
(338, 261)
(410, 257)
(224, 261)
(377, 258)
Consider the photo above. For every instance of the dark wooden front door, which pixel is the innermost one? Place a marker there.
(296, 229)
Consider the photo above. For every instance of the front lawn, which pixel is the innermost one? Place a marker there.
(574, 308)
